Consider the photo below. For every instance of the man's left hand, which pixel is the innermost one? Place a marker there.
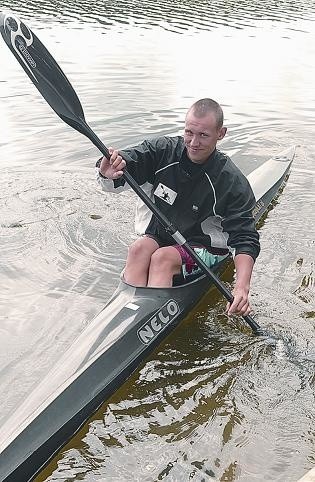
(240, 305)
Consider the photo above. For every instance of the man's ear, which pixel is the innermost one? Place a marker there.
(222, 133)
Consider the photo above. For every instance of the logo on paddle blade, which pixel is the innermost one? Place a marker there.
(21, 39)
(158, 322)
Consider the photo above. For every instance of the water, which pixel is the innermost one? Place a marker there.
(212, 402)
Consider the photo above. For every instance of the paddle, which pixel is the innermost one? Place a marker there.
(56, 89)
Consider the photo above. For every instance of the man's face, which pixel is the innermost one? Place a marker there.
(201, 135)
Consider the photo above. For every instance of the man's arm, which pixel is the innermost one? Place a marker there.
(243, 239)
(244, 266)
(141, 165)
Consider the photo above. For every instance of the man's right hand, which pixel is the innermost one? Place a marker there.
(112, 168)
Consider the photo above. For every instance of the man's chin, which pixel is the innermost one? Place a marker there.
(196, 157)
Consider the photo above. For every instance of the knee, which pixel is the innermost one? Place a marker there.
(142, 248)
(136, 249)
(166, 258)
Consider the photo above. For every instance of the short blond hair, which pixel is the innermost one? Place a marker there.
(203, 106)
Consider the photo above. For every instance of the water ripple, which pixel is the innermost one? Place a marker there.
(172, 16)
(60, 261)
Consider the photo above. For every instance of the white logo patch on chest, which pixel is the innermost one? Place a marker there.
(165, 193)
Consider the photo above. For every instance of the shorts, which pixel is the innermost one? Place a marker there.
(189, 265)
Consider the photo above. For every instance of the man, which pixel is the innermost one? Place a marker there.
(201, 192)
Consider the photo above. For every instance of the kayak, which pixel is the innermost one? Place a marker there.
(133, 322)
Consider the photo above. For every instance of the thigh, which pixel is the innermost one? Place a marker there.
(166, 256)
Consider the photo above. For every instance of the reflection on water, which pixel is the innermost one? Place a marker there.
(212, 402)
(217, 407)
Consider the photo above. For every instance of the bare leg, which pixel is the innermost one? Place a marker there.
(165, 263)
(138, 261)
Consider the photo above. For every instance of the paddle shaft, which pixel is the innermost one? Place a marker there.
(56, 89)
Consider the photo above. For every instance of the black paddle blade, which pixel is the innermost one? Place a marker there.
(43, 70)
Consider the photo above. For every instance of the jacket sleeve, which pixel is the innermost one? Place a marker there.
(238, 221)
(141, 165)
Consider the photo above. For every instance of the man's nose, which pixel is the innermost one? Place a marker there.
(194, 140)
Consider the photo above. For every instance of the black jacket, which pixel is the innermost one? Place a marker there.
(209, 204)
